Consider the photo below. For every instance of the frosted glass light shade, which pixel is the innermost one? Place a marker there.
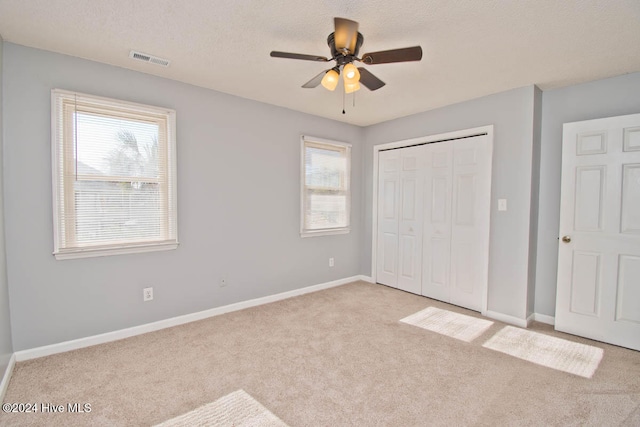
(351, 87)
(350, 74)
(330, 80)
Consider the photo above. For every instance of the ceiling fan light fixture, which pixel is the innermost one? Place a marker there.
(351, 87)
(330, 80)
(350, 74)
(344, 44)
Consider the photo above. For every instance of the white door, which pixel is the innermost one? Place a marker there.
(457, 215)
(470, 215)
(436, 265)
(598, 294)
(400, 218)
(388, 217)
(410, 236)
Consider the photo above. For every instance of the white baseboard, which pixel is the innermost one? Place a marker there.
(523, 323)
(530, 319)
(174, 321)
(4, 384)
(367, 279)
(512, 320)
(543, 318)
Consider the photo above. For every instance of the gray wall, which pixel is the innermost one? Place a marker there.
(238, 201)
(6, 348)
(602, 98)
(238, 206)
(512, 114)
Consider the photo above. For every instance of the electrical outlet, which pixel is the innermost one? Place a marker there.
(223, 282)
(331, 262)
(147, 294)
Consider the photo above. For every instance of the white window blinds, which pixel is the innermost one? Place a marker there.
(114, 176)
(326, 197)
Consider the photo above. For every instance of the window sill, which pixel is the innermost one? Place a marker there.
(113, 250)
(318, 233)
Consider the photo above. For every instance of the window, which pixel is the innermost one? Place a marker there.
(114, 176)
(326, 197)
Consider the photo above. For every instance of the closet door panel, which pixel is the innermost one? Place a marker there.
(437, 221)
(388, 217)
(470, 226)
(410, 227)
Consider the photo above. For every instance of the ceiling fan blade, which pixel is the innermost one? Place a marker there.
(315, 81)
(276, 54)
(346, 34)
(369, 80)
(395, 55)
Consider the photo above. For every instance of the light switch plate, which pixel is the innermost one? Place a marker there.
(502, 204)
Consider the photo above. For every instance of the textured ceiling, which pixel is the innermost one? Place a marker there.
(471, 48)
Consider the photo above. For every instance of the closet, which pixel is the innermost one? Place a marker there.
(433, 219)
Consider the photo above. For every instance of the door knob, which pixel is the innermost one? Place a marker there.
(566, 239)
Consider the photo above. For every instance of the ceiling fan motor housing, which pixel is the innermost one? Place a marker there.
(338, 55)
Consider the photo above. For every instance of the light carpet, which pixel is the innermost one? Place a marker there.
(556, 353)
(235, 409)
(337, 357)
(445, 322)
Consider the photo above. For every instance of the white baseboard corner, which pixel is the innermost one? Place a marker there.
(367, 279)
(76, 344)
(7, 377)
(543, 318)
(530, 319)
(523, 323)
(512, 320)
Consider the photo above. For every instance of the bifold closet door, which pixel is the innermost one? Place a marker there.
(400, 219)
(456, 221)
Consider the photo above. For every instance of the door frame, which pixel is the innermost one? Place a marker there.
(422, 140)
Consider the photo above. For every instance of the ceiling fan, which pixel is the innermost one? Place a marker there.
(345, 44)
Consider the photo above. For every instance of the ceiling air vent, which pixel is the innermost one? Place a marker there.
(149, 58)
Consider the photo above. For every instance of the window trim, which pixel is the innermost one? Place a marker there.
(119, 248)
(324, 231)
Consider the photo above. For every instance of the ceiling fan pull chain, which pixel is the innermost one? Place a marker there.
(343, 95)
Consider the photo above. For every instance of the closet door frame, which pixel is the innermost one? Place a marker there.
(465, 133)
